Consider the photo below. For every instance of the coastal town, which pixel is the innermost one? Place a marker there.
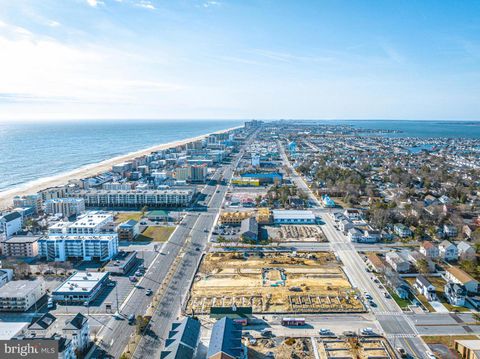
(278, 239)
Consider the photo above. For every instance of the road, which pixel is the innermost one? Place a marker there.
(170, 306)
(397, 326)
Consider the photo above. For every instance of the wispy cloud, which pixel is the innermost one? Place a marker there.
(95, 3)
(210, 3)
(146, 4)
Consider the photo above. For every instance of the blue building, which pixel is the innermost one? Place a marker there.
(226, 340)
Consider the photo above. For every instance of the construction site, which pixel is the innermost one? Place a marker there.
(273, 283)
(281, 348)
(355, 348)
(294, 233)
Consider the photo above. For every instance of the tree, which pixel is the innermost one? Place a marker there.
(144, 210)
(142, 323)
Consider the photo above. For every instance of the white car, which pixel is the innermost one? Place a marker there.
(325, 331)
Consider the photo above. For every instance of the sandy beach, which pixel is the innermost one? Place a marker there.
(33, 187)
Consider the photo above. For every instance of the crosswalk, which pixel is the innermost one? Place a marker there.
(405, 336)
(396, 314)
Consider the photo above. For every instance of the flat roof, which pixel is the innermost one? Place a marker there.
(19, 288)
(284, 214)
(23, 239)
(91, 220)
(9, 329)
(82, 282)
(471, 344)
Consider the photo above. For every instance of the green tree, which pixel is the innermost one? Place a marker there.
(422, 266)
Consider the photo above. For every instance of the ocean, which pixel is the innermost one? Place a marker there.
(30, 151)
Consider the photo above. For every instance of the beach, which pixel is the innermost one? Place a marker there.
(6, 197)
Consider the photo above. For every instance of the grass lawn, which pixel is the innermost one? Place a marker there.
(447, 340)
(125, 216)
(156, 234)
(402, 303)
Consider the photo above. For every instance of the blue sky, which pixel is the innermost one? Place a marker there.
(62, 59)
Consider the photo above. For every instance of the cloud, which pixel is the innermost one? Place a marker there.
(39, 69)
(94, 3)
(210, 3)
(145, 4)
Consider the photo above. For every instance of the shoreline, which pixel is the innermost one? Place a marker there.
(32, 187)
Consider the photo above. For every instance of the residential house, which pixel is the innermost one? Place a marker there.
(398, 263)
(429, 250)
(371, 236)
(345, 225)
(402, 231)
(77, 330)
(352, 214)
(249, 229)
(376, 263)
(355, 235)
(455, 293)
(450, 231)
(466, 251)
(448, 251)
(456, 275)
(468, 230)
(424, 287)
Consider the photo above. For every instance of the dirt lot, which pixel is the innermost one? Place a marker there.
(296, 233)
(281, 348)
(274, 283)
(355, 348)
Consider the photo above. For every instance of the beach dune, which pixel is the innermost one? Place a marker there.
(6, 197)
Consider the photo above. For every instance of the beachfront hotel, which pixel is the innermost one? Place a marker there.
(136, 199)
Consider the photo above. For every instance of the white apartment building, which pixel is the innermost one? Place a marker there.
(20, 295)
(61, 247)
(66, 206)
(130, 199)
(91, 236)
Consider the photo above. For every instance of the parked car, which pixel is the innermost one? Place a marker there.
(402, 352)
(50, 303)
(131, 319)
(148, 292)
(325, 331)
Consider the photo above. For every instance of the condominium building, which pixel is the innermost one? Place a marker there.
(95, 246)
(20, 246)
(20, 295)
(91, 236)
(34, 201)
(10, 224)
(66, 206)
(136, 199)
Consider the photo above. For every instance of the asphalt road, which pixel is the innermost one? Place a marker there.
(397, 326)
(176, 293)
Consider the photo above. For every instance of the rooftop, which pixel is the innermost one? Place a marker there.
(19, 288)
(81, 282)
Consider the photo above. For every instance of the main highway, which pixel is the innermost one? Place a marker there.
(397, 326)
(197, 241)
